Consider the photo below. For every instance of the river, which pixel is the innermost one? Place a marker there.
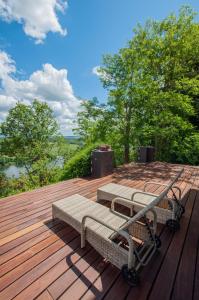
(14, 171)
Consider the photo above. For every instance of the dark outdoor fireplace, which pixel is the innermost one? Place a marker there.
(102, 162)
(146, 154)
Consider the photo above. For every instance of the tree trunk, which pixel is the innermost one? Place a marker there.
(126, 152)
(127, 131)
(29, 175)
(127, 140)
(156, 146)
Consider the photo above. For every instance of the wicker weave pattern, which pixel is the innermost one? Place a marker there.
(164, 211)
(107, 248)
(139, 230)
(73, 210)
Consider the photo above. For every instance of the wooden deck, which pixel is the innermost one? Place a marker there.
(42, 259)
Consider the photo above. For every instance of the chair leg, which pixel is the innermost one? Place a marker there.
(131, 211)
(83, 242)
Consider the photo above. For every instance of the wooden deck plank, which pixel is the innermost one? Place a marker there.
(102, 284)
(23, 221)
(147, 280)
(27, 237)
(119, 290)
(21, 216)
(12, 264)
(45, 296)
(63, 282)
(35, 260)
(85, 280)
(22, 232)
(196, 279)
(186, 269)
(34, 250)
(169, 267)
(48, 258)
(44, 281)
(13, 252)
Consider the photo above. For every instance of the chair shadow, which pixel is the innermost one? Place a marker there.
(97, 266)
(87, 256)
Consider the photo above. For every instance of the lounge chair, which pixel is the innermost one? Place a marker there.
(169, 209)
(127, 242)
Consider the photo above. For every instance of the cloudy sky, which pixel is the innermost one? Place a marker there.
(50, 49)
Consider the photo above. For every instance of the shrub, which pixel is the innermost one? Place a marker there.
(10, 186)
(80, 164)
(188, 150)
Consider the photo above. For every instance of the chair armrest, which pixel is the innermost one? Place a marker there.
(179, 191)
(121, 232)
(156, 183)
(124, 202)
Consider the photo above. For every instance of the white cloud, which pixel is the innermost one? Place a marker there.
(7, 65)
(37, 16)
(96, 70)
(49, 84)
(100, 73)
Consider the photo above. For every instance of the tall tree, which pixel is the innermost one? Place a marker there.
(29, 134)
(146, 83)
(153, 87)
(92, 121)
(118, 74)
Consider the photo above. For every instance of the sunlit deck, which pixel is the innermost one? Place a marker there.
(42, 259)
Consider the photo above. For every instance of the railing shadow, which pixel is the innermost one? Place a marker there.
(158, 171)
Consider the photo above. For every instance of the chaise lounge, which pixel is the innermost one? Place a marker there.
(129, 243)
(169, 210)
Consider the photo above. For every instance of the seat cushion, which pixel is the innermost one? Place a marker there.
(113, 190)
(72, 210)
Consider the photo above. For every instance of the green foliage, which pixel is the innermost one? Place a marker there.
(80, 164)
(188, 150)
(167, 55)
(92, 121)
(96, 123)
(4, 191)
(5, 161)
(64, 149)
(153, 87)
(12, 186)
(30, 136)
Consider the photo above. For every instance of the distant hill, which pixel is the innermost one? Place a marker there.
(72, 139)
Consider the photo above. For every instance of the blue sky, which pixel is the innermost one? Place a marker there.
(94, 28)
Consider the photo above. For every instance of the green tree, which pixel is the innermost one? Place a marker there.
(168, 53)
(153, 84)
(30, 135)
(96, 123)
(118, 76)
(92, 121)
